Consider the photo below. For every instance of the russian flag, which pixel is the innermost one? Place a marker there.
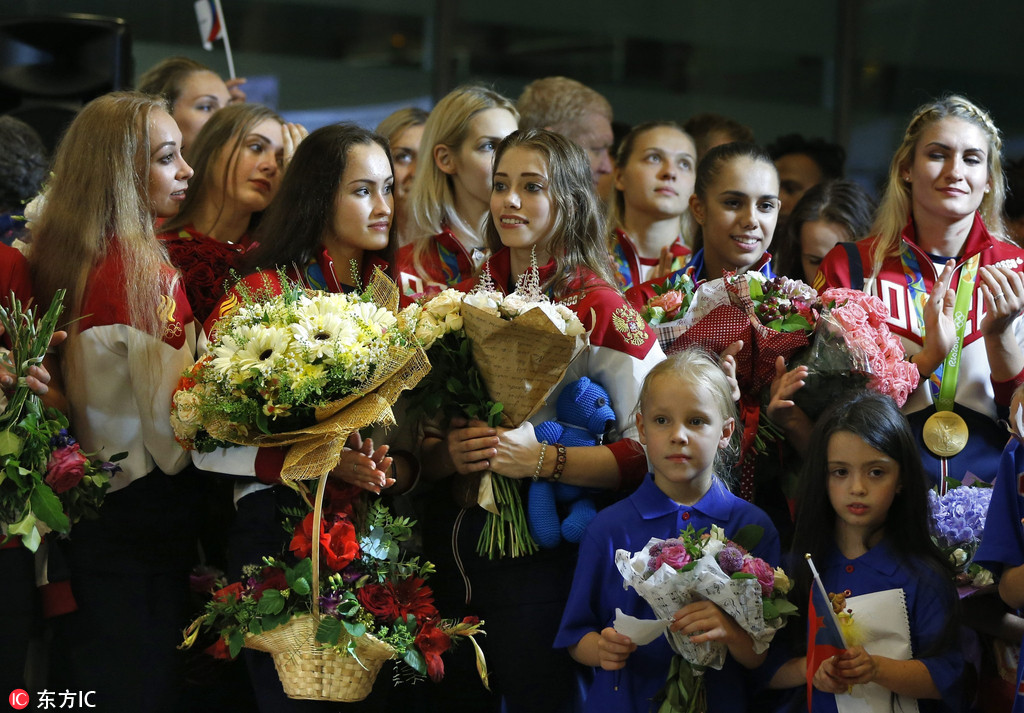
(211, 25)
(824, 638)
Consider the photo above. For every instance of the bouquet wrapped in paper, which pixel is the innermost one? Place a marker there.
(852, 348)
(298, 368)
(773, 317)
(510, 353)
(696, 566)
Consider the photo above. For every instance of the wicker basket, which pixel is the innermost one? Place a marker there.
(309, 671)
(306, 668)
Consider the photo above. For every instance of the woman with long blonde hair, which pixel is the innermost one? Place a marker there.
(939, 260)
(119, 168)
(448, 205)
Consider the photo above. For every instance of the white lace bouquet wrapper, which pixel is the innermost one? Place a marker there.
(668, 590)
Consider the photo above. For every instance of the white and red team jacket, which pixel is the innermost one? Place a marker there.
(122, 399)
(979, 400)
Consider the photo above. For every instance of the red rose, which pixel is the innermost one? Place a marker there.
(413, 596)
(432, 642)
(379, 601)
(65, 468)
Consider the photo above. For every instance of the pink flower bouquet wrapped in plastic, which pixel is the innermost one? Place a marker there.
(853, 348)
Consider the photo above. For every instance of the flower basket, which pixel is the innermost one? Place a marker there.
(309, 671)
(312, 670)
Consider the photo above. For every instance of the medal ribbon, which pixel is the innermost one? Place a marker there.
(943, 379)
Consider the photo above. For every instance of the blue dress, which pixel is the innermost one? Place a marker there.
(1003, 543)
(930, 600)
(597, 590)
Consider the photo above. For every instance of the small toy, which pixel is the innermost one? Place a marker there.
(584, 412)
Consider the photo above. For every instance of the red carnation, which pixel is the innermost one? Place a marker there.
(432, 642)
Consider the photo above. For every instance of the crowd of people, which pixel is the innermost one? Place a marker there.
(157, 201)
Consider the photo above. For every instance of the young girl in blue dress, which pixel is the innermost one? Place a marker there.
(687, 420)
(863, 516)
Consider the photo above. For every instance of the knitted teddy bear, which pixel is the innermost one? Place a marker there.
(584, 412)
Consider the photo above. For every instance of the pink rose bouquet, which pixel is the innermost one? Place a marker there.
(853, 348)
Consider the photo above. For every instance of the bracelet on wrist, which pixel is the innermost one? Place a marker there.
(560, 453)
(540, 461)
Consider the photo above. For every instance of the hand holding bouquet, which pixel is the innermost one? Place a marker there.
(853, 347)
(510, 353)
(700, 565)
(300, 369)
(46, 482)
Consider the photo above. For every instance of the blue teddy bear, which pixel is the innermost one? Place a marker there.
(584, 412)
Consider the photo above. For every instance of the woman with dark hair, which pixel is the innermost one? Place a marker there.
(862, 515)
(829, 213)
(239, 157)
(329, 228)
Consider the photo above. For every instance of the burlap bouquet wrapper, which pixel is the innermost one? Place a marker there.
(722, 313)
(668, 590)
(521, 361)
(316, 449)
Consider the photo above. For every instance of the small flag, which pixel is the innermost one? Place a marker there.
(824, 637)
(211, 24)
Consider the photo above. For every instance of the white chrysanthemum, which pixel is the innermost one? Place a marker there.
(264, 349)
(224, 355)
(378, 318)
(320, 332)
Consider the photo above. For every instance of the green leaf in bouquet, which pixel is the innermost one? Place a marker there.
(48, 508)
(769, 610)
(329, 630)
(272, 602)
(454, 386)
(301, 586)
(354, 629)
(236, 639)
(748, 537)
(26, 529)
(117, 456)
(785, 607)
(10, 443)
(743, 575)
(416, 661)
(756, 290)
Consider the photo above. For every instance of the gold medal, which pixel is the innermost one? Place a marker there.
(945, 434)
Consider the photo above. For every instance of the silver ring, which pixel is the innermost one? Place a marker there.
(998, 297)
(353, 467)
